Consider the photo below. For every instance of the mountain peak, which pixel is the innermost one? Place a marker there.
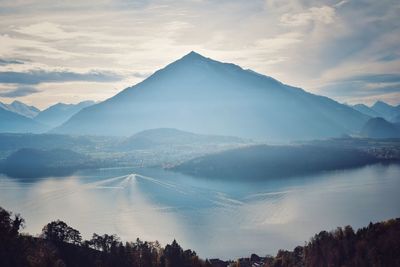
(381, 103)
(379, 128)
(192, 55)
(202, 95)
(16, 102)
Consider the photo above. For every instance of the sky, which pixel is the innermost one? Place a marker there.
(69, 51)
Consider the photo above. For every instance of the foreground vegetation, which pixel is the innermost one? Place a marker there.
(61, 245)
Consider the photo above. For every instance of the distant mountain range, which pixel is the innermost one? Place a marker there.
(380, 109)
(366, 110)
(21, 109)
(384, 122)
(380, 128)
(12, 122)
(59, 113)
(201, 95)
(18, 117)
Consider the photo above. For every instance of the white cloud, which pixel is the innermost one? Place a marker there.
(324, 15)
(280, 42)
(307, 43)
(46, 30)
(341, 3)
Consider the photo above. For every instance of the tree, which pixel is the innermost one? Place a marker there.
(59, 231)
(173, 255)
(10, 226)
(106, 243)
(10, 244)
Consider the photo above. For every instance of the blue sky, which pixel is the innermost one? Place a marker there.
(69, 51)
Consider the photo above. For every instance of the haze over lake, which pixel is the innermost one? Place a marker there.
(215, 218)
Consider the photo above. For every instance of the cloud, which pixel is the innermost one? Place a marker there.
(353, 89)
(43, 29)
(324, 15)
(307, 43)
(140, 74)
(359, 87)
(389, 57)
(280, 42)
(41, 76)
(18, 92)
(341, 3)
(375, 78)
(4, 62)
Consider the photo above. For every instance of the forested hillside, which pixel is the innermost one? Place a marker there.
(61, 245)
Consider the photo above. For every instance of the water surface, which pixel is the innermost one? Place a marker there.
(215, 218)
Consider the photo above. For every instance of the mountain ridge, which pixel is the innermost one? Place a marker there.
(381, 109)
(380, 128)
(12, 122)
(21, 108)
(153, 138)
(58, 113)
(201, 95)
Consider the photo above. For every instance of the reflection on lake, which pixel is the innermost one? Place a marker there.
(215, 218)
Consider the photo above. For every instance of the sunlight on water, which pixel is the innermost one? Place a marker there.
(215, 218)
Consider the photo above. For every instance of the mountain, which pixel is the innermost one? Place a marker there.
(15, 141)
(201, 95)
(387, 111)
(21, 109)
(380, 109)
(59, 113)
(32, 163)
(383, 108)
(15, 123)
(154, 138)
(262, 162)
(367, 110)
(396, 119)
(380, 128)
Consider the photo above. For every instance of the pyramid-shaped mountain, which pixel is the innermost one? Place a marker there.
(201, 95)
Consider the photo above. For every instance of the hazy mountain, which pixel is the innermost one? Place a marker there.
(201, 95)
(262, 162)
(21, 109)
(396, 119)
(60, 113)
(367, 110)
(15, 141)
(380, 128)
(172, 137)
(387, 111)
(11, 122)
(31, 163)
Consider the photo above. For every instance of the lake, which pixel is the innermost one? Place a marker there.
(214, 218)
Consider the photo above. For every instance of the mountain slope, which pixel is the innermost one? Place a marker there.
(32, 163)
(198, 94)
(387, 111)
(154, 138)
(11, 122)
(21, 109)
(60, 113)
(380, 128)
(262, 162)
(367, 110)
